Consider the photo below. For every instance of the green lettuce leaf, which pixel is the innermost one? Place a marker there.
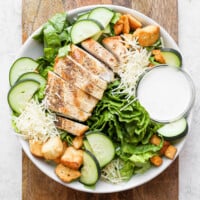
(54, 37)
(59, 21)
(121, 120)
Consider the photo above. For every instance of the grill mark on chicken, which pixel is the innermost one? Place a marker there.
(70, 126)
(69, 70)
(97, 50)
(91, 63)
(67, 100)
(115, 45)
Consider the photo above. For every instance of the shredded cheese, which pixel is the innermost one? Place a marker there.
(35, 122)
(111, 173)
(133, 63)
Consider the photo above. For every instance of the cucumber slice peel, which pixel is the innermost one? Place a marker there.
(172, 57)
(84, 29)
(21, 66)
(90, 172)
(35, 76)
(102, 147)
(174, 130)
(83, 16)
(102, 15)
(87, 145)
(21, 93)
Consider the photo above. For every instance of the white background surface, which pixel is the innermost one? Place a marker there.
(10, 42)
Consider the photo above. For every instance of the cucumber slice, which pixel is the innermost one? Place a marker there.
(102, 147)
(21, 93)
(87, 146)
(84, 29)
(83, 16)
(116, 17)
(107, 29)
(174, 130)
(21, 66)
(172, 57)
(90, 172)
(102, 15)
(34, 76)
(97, 36)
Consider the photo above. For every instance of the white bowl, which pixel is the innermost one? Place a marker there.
(33, 49)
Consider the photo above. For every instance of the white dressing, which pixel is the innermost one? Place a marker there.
(166, 93)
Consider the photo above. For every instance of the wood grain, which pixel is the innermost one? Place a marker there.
(36, 185)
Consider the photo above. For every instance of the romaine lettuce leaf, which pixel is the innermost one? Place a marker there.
(121, 120)
(59, 21)
(54, 36)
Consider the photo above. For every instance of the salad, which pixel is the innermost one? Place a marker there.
(77, 106)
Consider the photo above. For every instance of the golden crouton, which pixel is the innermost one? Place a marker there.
(53, 148)
(72, 158)
(170, 152)
(77, 142)
(134, 23)
(126, 27)
(158, 56)
(155, 140)
(66, 174)
(156, 160)
(164, 147)
(36, 148)
(118, 27)
(58, 160)
(148, 35)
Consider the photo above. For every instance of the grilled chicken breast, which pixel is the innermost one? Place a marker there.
(91, 63)
(70, 126)
(97, 50)
(68, 100)
(114, 45)
(73, 73)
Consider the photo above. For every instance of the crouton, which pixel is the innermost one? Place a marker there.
(53, 148)
(155, 140)
(126, 26)
(77, 142)
(158, 56)
(58, 160)
(134, 23)
(164, 147)
(36, 148)
(72, 158)
(156, 160)
(170, 152)
(66, 174)
(118, 27)
(148, 35)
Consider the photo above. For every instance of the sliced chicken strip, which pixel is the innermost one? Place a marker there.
(73, 95)
(73, 73)
(91, 63)
(97, 50)
(67, 99)
(65, 109)
(116, 46)
(70, 126)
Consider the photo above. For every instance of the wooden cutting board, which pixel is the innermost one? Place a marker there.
(36, 185)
